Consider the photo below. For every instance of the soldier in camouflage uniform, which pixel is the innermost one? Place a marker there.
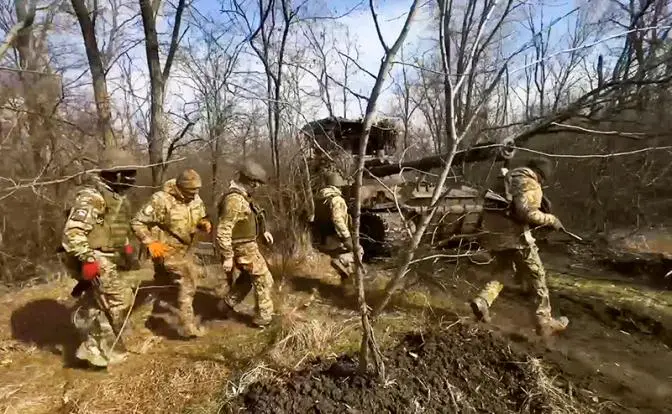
(95, 234)
(510, 240)
(332, 223)
(177, 212)
(241, 222)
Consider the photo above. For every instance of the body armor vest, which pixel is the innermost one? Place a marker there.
(323, 222)
(112, 233)
(248, 229)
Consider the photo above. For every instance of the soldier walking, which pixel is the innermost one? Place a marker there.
(332, 225)
(510, 240)
(177, 211)
(241, 222)
(95, 235)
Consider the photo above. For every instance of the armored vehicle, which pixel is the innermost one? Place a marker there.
(393, 189)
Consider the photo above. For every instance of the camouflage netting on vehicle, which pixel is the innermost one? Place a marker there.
(333, 134)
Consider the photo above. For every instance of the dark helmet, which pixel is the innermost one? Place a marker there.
(543, 166)
(253, 171)
(115, 159)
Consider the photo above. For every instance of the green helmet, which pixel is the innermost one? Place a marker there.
(335, 179)
(253, 171)
(543, 166)
(115, 159)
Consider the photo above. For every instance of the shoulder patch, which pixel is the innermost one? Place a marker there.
(79, 214)
(148, 210)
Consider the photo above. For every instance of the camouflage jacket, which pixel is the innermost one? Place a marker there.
(175, 219)
(240, 220)
(510, 228)
(93, 223)
(526, 195)
(331, 208)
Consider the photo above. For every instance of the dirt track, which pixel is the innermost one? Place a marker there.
(611, 361)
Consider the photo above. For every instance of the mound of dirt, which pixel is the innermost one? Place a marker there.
(464, 369)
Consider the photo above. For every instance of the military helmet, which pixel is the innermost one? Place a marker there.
(189, 179)
(253, 171)
(115, 159)
(543, 166)
(335, 179)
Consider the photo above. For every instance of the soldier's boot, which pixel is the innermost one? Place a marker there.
(191, 330)
(480, 305)
(260, 322)
(480, 309)
(88, 351)
(226, 308)
(116, 357)
(547, 326)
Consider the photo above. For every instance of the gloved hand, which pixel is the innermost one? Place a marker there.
(268, 237)
(557, 225)
(227, 264)
(205, 226)
(90, 270)
(157, 249)
(347, 243)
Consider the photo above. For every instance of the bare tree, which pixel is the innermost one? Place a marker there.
(98, 72)
(368, 337)
(26, 16)
(158, 79)
(268, 40)
(210, 66)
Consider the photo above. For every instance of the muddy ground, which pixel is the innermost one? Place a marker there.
(615, 356)
(460, 369)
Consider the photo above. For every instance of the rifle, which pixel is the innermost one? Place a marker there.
(92, 286)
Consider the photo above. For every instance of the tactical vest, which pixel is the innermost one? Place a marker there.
(248, 229)
(111, 234)
(323, 222)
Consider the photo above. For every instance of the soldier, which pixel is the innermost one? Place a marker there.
(177, 212)
(95, 233)
(511, 242)
(332, 223)
(241, 221)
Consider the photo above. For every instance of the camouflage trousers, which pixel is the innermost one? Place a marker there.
(182, 270)
(250, 272)
(111, 295)
(342, 261)
(528, 270)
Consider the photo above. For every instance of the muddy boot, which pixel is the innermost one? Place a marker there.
(191, 330)
(116, 357)
(227, 311)
(481, 304)
(550, 326)
(91, 354)
(480, 309)
(260, 322)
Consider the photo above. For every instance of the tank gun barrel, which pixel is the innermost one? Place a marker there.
(480, 152)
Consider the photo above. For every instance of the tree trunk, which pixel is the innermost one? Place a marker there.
(97, 73)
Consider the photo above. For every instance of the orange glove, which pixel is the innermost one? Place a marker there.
(157, 249)
(205, 225)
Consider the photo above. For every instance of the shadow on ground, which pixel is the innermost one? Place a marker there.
(60, 337)
(157, 302)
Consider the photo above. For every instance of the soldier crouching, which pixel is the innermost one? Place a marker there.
(177, 212)
(95, 234)
(241, 222)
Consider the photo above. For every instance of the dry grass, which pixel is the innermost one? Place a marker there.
(557, 400)
(301, 339)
